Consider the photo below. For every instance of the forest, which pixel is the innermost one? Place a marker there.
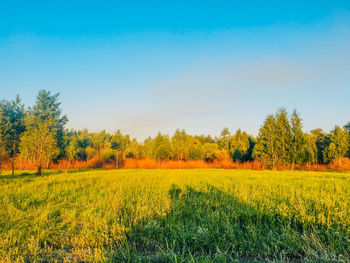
(36, 137)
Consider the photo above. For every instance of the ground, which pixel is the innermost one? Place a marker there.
(204, 215)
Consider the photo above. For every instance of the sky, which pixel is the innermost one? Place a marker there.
(149, 66)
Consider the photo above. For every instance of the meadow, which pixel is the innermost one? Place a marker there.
(189, 215)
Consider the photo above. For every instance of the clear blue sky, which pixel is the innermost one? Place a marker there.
(149, 66)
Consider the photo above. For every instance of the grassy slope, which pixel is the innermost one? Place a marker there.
(175, 215)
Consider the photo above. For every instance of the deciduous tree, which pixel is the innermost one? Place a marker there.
(347, 127)
(161, 147)
(239, 144)
(179, 141)
(338, 146)
(322, 140)
(210, 150)
(72, 149)
(38, 142)
(310, 155)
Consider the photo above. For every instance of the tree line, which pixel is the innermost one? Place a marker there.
(39, 134)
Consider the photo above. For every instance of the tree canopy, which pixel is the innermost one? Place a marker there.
(38, 134)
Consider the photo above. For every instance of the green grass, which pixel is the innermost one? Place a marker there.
(175, 216)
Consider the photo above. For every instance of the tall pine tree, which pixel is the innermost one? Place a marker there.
(266, 147)
(298, 140)
(283, 136)
(12, 127)
(47, 107)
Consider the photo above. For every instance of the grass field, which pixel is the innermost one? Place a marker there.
(175, 216)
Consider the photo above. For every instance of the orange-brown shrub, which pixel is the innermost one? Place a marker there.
(95, 162)
(20, 164)
(341, 164)
(23, 164)
(311, 167)
(254, 165)
(149, 163)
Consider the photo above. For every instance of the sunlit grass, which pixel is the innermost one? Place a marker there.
(175, 215)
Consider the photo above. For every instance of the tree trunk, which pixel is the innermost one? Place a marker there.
(39, 170)
(117, 160)
(13, 166)
(292, 166)
(13, 157)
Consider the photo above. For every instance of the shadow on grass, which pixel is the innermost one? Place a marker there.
(33, 174)
(213, 226)
(18, 175)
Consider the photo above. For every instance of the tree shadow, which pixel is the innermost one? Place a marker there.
(17, 175)
(33, 174)
(213, 226)
(67, 171)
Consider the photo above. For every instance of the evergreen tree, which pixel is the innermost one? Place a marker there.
(3, 152)
(12, 127)
(283, 137)
(298, 140)
(47, 107)
(266, 147)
